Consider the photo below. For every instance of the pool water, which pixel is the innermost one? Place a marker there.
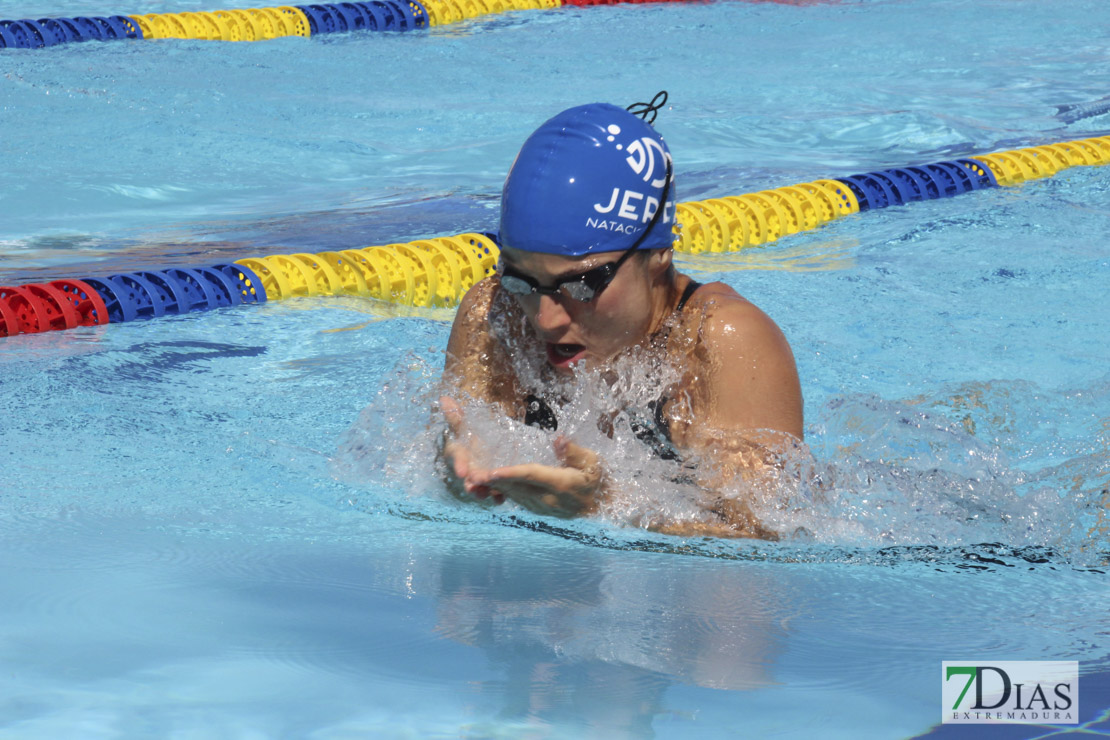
(192, 547)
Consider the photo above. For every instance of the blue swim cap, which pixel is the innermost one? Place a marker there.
(589, 180)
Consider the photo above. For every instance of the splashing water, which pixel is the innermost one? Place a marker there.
(951, 470)
(398, 436)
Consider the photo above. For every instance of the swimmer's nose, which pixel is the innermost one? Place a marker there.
(551, 316)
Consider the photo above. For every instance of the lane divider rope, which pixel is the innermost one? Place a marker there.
(437, 272)
(258, 24)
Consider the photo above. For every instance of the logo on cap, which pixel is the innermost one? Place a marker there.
(634, 206)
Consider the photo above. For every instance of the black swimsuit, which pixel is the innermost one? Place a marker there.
(654, 432)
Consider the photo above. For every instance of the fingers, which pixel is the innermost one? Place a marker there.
(458, 458)
(457, 453)
(575, 456)
(453, 412)
(544, 489)
(563, 489)
(532, 474)
(471, 477)
(485, 492)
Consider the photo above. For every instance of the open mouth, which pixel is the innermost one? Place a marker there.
(563, 355)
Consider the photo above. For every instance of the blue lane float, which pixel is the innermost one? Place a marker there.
(903, 185)
(176, 290)
(254, 24)
(382, 15)
(38, 34)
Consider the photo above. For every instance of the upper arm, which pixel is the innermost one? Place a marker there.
(470, 324)
(476, 363)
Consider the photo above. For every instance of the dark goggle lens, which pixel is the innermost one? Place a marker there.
(578, 289)
(516, 286)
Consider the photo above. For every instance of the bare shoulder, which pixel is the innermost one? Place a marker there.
(747, 365)
(471, 319)
(477, 364)
(728, 323)
(475, 305)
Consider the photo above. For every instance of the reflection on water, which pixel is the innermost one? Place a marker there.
(808, 256)
(171, 565)
(601, 646)
(314, 623)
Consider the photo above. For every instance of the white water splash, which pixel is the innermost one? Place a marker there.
(879, 472)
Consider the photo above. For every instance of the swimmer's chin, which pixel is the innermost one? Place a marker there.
(563, 357)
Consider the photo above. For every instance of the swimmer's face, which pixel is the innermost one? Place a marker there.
(576, 331)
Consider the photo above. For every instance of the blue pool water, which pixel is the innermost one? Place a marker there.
(191, 548)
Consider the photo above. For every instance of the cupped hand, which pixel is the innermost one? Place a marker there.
(458, 453)
(574, 488)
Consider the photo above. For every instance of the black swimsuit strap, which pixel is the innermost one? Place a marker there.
(538, 414)
(693, 286)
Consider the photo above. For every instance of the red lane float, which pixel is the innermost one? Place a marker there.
(60, 313)
(88, 304)
(28, 309)
(9, 322)
(38, 307)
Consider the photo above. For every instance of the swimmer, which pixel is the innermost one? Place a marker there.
(585, 277)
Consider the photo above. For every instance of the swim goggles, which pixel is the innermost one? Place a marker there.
(585, 286)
